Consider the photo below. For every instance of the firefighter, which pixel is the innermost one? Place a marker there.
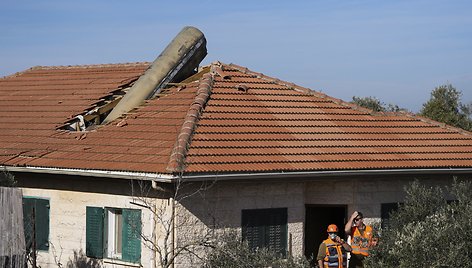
(361, 239)
(332, 252)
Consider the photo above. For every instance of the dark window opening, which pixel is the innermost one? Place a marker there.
(385, 212)
(266, 228)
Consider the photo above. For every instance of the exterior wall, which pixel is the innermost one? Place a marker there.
(67, 226)
(365, 194)
(361, 194)
(216, 206)
(222, 203)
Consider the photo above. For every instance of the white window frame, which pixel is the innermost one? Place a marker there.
(114, 232)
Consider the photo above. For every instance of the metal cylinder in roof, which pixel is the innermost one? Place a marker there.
(178, 61)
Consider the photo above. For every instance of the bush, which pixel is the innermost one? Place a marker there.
(427, 230)
(80, 260)
(7, 179)
(233, 252)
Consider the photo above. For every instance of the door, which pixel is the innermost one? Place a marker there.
(317, 219)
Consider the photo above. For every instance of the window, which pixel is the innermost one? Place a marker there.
(266, 228)
(36, 222)
(385, 210)
(113, 233)
(114, 228)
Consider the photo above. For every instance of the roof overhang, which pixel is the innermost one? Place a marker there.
(169, 178)
(95, 173)
(327, 173)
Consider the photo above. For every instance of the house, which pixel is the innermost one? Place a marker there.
(225, 147)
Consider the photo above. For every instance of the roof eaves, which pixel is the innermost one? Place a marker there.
(94, 173)
(322, 174)
(179, 152)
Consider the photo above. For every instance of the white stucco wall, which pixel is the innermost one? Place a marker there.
(68, 221)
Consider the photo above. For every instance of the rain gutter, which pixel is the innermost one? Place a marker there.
(168, 178)
(321, 174)
(95, 173)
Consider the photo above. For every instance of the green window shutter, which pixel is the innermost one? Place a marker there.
(131, 235)
(265, 228)
(28, 210)
(94, 232)
(36, 219)
(42, 224)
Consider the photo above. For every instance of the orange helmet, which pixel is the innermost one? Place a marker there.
(332, 228)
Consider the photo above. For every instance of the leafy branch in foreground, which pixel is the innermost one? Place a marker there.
(428, 230)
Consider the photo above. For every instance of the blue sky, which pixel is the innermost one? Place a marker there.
(397, 51)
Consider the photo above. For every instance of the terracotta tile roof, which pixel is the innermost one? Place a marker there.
(230, 121)
(35, 102)
(278, 126)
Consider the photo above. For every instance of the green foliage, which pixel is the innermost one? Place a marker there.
(375, 104)
(80, 260)
(7, 179)
(428, 231)
(233, 252)
(445, 106)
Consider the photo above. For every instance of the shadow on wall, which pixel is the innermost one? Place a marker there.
(84, 184)
(220, 204)
(204, 203)
(82, 261)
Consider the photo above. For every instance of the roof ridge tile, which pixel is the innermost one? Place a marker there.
(438, 124)
(18, 73)
(68, 67)
(179, 152)
(85, 66)
(303, 89)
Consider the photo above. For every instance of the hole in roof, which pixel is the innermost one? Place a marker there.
(93, 117)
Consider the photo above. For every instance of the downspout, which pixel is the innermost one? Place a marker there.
(155, 235)
(178, 61)
(171, 202)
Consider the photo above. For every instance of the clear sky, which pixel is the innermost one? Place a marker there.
(397, 51)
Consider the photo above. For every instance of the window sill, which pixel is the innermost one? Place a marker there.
(120, 262)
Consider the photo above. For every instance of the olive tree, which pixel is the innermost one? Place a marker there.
(375, 104)
(445, 106)
(428, 230)
(233, 252)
